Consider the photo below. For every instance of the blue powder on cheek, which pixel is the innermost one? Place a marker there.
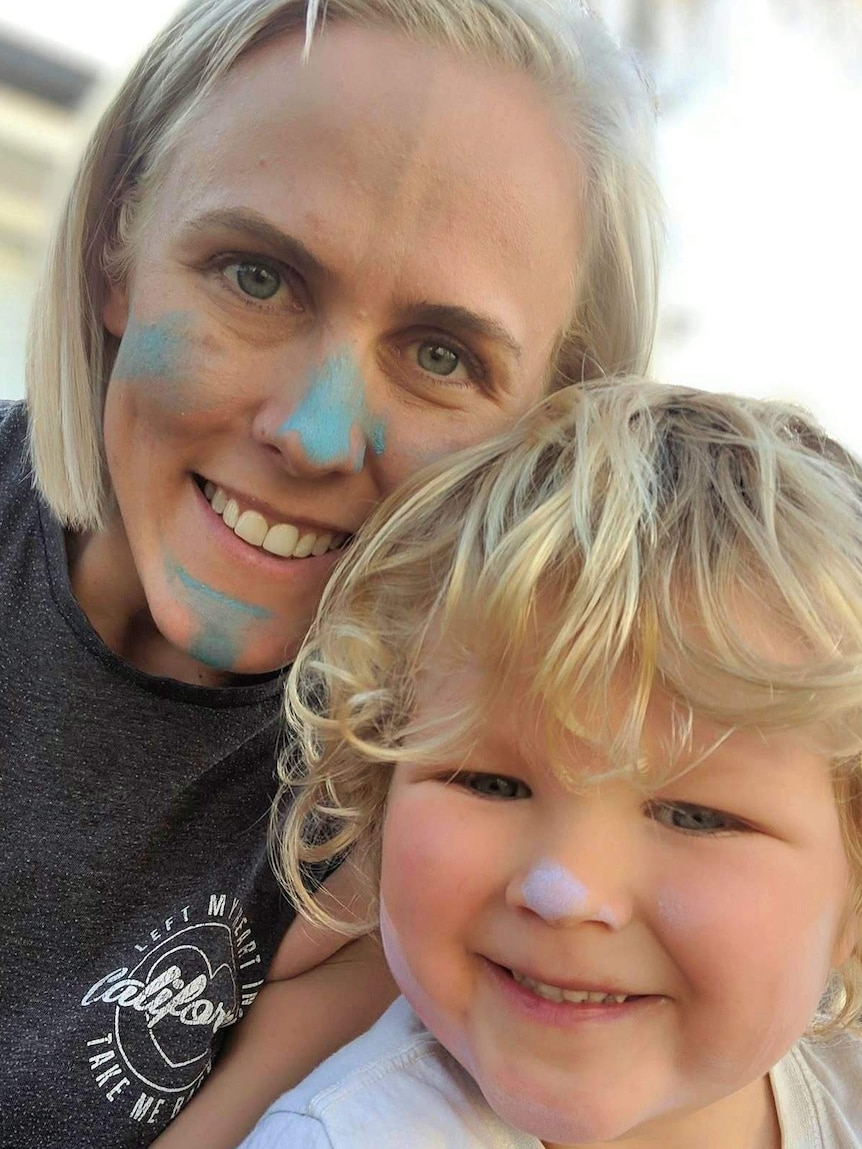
(154, 350)
(224, 622)
(377, 436)
(333, 405)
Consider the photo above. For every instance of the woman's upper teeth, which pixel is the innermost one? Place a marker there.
(554, 993)
(282, 539)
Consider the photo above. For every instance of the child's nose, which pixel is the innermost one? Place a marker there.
(563, 896)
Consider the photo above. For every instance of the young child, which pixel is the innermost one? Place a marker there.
(593, 715)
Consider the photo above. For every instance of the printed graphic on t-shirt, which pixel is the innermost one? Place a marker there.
(154, 1018)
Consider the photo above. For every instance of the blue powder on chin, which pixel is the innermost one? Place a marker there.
(224, 622)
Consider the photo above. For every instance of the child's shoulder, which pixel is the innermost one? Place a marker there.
(392, 1087)
(817, 1091)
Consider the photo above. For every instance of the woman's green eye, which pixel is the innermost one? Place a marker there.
(437, 359)
(257, 279)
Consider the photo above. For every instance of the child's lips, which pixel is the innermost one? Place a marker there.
(571, 1005)
(581, 990)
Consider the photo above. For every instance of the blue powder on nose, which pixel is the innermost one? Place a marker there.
(325, 417)
(550, 891)
(333, 405)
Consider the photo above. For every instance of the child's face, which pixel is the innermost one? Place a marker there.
(718, 903)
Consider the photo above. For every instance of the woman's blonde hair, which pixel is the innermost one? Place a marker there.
(621, 528)
(557, 42)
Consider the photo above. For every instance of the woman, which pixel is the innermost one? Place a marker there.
(297, 262)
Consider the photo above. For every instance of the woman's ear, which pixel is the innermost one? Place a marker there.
(115, 312)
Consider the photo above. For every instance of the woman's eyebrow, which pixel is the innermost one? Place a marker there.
(283, 246)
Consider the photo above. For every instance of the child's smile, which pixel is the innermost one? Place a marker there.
(619, 957)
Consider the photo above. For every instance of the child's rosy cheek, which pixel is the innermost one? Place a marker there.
(673, 909)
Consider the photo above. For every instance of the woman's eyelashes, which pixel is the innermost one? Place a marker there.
(432, 360)
(689, 818)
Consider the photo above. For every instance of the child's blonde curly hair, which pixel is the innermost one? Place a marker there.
(624, 522)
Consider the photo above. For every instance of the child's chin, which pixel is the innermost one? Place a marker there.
(565, 1124)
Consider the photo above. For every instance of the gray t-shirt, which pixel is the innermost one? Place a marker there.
(139, 913)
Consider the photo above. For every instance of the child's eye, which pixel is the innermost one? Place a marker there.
(692, 819)
(493, 785)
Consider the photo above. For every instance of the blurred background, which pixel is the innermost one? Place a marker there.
(760, 160)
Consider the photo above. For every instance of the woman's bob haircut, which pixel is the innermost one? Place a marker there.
(605, 107)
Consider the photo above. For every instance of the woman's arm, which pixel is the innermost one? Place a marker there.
(320, 994)
(292, 1026)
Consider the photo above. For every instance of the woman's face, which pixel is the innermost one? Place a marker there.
(351, 268)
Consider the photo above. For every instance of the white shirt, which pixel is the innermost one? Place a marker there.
(397, 1087)
(818, 1093)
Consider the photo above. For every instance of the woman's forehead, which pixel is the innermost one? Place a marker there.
(376, 155)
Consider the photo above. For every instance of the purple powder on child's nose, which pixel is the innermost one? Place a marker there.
(551, 892)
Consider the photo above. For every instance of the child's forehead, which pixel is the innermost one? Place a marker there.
(504, 720)
(461, 695)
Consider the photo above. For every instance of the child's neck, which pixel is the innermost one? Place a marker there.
(747, 1119)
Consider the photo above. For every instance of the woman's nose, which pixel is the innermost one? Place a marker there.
(329, 429)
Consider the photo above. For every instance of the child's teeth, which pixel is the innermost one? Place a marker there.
(252, 527)
(577, 996)
(281, 539)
